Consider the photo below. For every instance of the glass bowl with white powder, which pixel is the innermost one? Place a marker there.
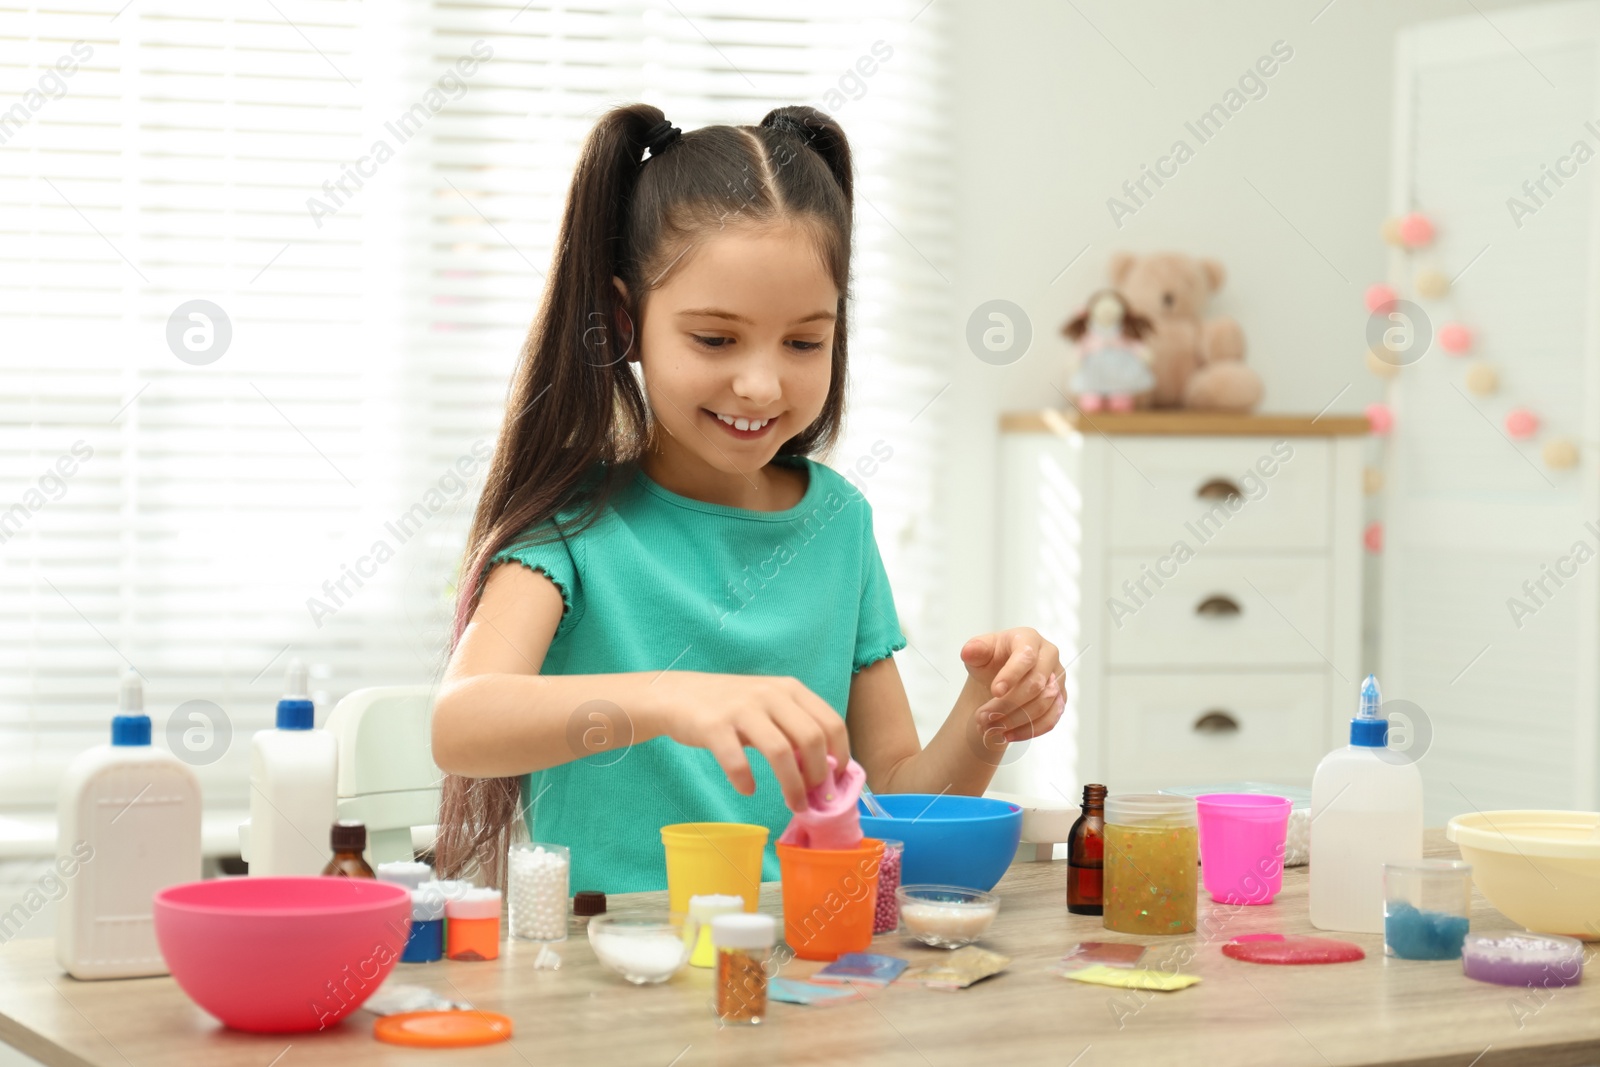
(644, 949)
(946, 916)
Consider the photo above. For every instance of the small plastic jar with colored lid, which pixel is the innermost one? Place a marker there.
(1521, 958)
(405, 872)
(1152, 858)
(474, 928)
(425, 943)
(743, 942)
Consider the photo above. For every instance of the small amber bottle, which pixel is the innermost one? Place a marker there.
(1086, 850)
(349, 840)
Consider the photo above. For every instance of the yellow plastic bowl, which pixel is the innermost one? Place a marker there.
(1540, 868)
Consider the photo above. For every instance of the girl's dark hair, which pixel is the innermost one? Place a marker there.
(1134, 325)
(575, 406)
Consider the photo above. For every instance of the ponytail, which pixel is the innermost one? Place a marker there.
(823, 135)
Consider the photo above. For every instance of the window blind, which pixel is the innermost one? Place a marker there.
(365, 199)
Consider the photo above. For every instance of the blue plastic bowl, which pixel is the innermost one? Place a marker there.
(950, 840)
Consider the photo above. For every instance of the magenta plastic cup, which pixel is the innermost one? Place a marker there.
(1242, 839)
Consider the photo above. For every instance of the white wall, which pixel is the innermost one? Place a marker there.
(1054, 110)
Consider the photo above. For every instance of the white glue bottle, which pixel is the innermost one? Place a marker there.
(127, 826)
(293, 803)
(1366, 810)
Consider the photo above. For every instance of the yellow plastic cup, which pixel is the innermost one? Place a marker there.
(713, 857)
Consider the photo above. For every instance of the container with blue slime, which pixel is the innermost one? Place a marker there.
(1426, 908)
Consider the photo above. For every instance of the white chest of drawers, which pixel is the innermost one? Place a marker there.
(1203, 574)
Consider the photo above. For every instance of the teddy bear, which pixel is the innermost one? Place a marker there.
(1197, 362)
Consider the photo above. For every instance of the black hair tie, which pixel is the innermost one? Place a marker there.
(661, 136)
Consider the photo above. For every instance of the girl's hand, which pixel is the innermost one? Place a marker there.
(1023, 675)
(791, 726)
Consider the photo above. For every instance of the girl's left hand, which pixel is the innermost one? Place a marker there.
(1023, 675)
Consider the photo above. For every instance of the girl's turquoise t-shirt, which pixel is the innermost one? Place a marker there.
(663, 581)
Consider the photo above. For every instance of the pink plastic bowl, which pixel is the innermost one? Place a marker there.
(282, 955)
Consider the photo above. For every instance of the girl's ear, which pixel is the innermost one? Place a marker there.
(624, 323)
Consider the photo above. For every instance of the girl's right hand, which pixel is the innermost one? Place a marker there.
(791, 726)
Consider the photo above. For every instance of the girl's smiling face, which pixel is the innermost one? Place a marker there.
(737, 353)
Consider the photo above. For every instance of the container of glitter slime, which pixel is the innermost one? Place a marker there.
(1152, 864)
(1425, 909)
(1519, 958)
(886, 919)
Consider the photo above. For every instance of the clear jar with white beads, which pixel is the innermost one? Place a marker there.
(536, 885)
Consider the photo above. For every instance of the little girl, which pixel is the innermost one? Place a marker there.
(669, 612)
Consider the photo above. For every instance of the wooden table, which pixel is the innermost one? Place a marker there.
(1376, 1011)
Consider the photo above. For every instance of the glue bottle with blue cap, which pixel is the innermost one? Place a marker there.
(127, 826)
(293, 781)
(1366, 811)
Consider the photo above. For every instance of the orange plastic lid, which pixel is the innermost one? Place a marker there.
(442, 1029)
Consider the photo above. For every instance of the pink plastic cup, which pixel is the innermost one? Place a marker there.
(1242, 839)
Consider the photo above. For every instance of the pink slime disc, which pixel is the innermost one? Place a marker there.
(1275, 948)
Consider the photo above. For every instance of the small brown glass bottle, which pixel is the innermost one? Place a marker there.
(349, 840)
(1086, 850)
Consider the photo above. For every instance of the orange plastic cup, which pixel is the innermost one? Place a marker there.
(713, 857)
(829, 898)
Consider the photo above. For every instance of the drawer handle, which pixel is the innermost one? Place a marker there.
(1218, 489)
(1216, 721)
(1220, 606)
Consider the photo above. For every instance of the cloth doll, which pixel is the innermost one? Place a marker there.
(1113, 363)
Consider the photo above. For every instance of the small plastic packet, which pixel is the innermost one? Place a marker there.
(863, 968)
(960, 969)
(1089, 953)
(787, 991)
(395, 998)
(1124, 978)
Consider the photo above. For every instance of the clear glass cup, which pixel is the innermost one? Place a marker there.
(537, 876)
(1426, 909)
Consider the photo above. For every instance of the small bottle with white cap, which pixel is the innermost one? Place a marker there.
(744, 944)
(697, 931)
(425, 942)
(473, 928)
